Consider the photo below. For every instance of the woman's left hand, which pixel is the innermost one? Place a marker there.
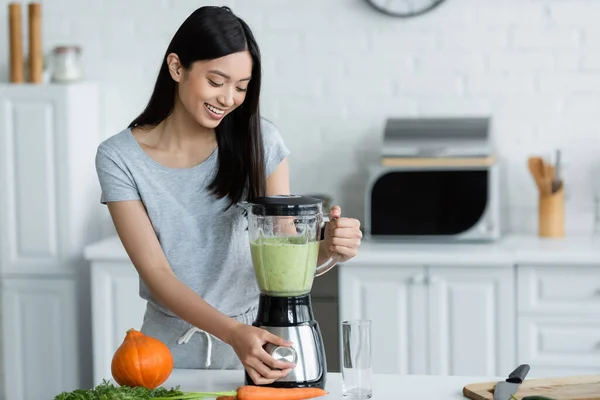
(342, 235)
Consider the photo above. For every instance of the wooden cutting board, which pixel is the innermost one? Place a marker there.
(585, 387)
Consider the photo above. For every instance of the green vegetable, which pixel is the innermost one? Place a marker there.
(532, 398)
(537, 398)
(108, 391)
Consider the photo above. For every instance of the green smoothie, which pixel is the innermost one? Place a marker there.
(284, 266)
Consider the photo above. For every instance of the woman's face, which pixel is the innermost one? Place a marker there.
(210, 90)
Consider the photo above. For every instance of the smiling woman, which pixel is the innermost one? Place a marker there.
(205, 83)
(172, 181)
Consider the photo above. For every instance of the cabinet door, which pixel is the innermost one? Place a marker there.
(559, 290)
(40, 343)
(394, 299)
(559, 346)
(116, 307)
(472, 320)
(29, 188)
(48, 192)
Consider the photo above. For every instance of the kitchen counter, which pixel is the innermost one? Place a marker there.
(384, 386)
(509, 250)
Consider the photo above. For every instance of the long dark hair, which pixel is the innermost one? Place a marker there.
(212, 32)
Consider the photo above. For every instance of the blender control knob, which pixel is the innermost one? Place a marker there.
(287, 354)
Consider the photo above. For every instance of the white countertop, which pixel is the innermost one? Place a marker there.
(387, 387)
(509, 250)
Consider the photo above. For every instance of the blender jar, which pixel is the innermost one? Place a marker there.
(284, 234)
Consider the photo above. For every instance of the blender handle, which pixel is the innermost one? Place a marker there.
(333, 260)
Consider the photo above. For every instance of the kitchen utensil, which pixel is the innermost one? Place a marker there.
(556, 181)
(36, 58)
(285, 234)
(545, 175)
(538, 170)
(551, 197)
(17, 72)
(585, 387)
(504, 389)
(549, 175)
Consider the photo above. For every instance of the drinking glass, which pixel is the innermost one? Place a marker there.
(356, 359)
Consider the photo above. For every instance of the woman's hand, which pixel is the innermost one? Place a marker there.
(248, 342)
(342, 235)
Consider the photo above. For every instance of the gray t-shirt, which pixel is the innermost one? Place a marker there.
(206, 247)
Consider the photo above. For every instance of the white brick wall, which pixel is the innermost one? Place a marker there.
(335, 69)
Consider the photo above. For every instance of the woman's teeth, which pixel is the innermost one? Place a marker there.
(215, 110)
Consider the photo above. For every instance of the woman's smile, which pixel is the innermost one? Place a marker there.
(214, 112)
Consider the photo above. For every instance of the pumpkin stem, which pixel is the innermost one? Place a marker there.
(130, 330)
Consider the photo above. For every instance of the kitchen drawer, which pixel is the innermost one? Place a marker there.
(558, 290)
(559, 343)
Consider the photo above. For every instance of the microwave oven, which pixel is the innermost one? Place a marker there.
(446, 189)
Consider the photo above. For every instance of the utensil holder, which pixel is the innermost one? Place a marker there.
(551, 214)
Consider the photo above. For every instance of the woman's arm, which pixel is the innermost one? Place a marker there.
(137, 235)
(139, 239)
(279, 180)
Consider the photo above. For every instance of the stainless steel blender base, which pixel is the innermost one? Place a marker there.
(306, 352)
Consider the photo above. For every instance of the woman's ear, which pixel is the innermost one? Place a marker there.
(175, 68)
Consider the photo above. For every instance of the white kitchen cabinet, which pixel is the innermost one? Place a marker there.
(558, 310)
(471, 320)
(560, 346)
(116, 307)
(559, 290)
(49, 211)
(40, 337)
(48, 187)
(395, 300)
(447, 320)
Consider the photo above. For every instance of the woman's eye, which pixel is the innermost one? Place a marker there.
(241, 89)
(215, 84)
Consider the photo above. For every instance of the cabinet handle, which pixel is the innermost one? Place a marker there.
(418, 279)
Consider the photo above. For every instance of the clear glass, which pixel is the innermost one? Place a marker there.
(356, 359)
(285, 251)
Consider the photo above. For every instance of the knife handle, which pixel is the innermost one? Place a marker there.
(519, 374)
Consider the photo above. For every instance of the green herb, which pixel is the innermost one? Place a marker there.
(108, 391)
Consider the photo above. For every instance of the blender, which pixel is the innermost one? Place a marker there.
(285, 232)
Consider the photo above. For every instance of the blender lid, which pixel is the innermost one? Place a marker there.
(286, 205)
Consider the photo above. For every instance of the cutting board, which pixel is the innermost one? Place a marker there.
(586, 387)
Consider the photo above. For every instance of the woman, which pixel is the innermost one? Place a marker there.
(171, 181)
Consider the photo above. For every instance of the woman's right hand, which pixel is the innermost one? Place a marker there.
(247, 342)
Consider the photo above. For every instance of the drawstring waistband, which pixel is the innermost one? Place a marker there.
(175, 324)
(188, 335)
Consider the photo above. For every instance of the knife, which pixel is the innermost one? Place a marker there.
(556, 180)
(505, 389)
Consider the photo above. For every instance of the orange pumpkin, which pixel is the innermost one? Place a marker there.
(141, 360)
